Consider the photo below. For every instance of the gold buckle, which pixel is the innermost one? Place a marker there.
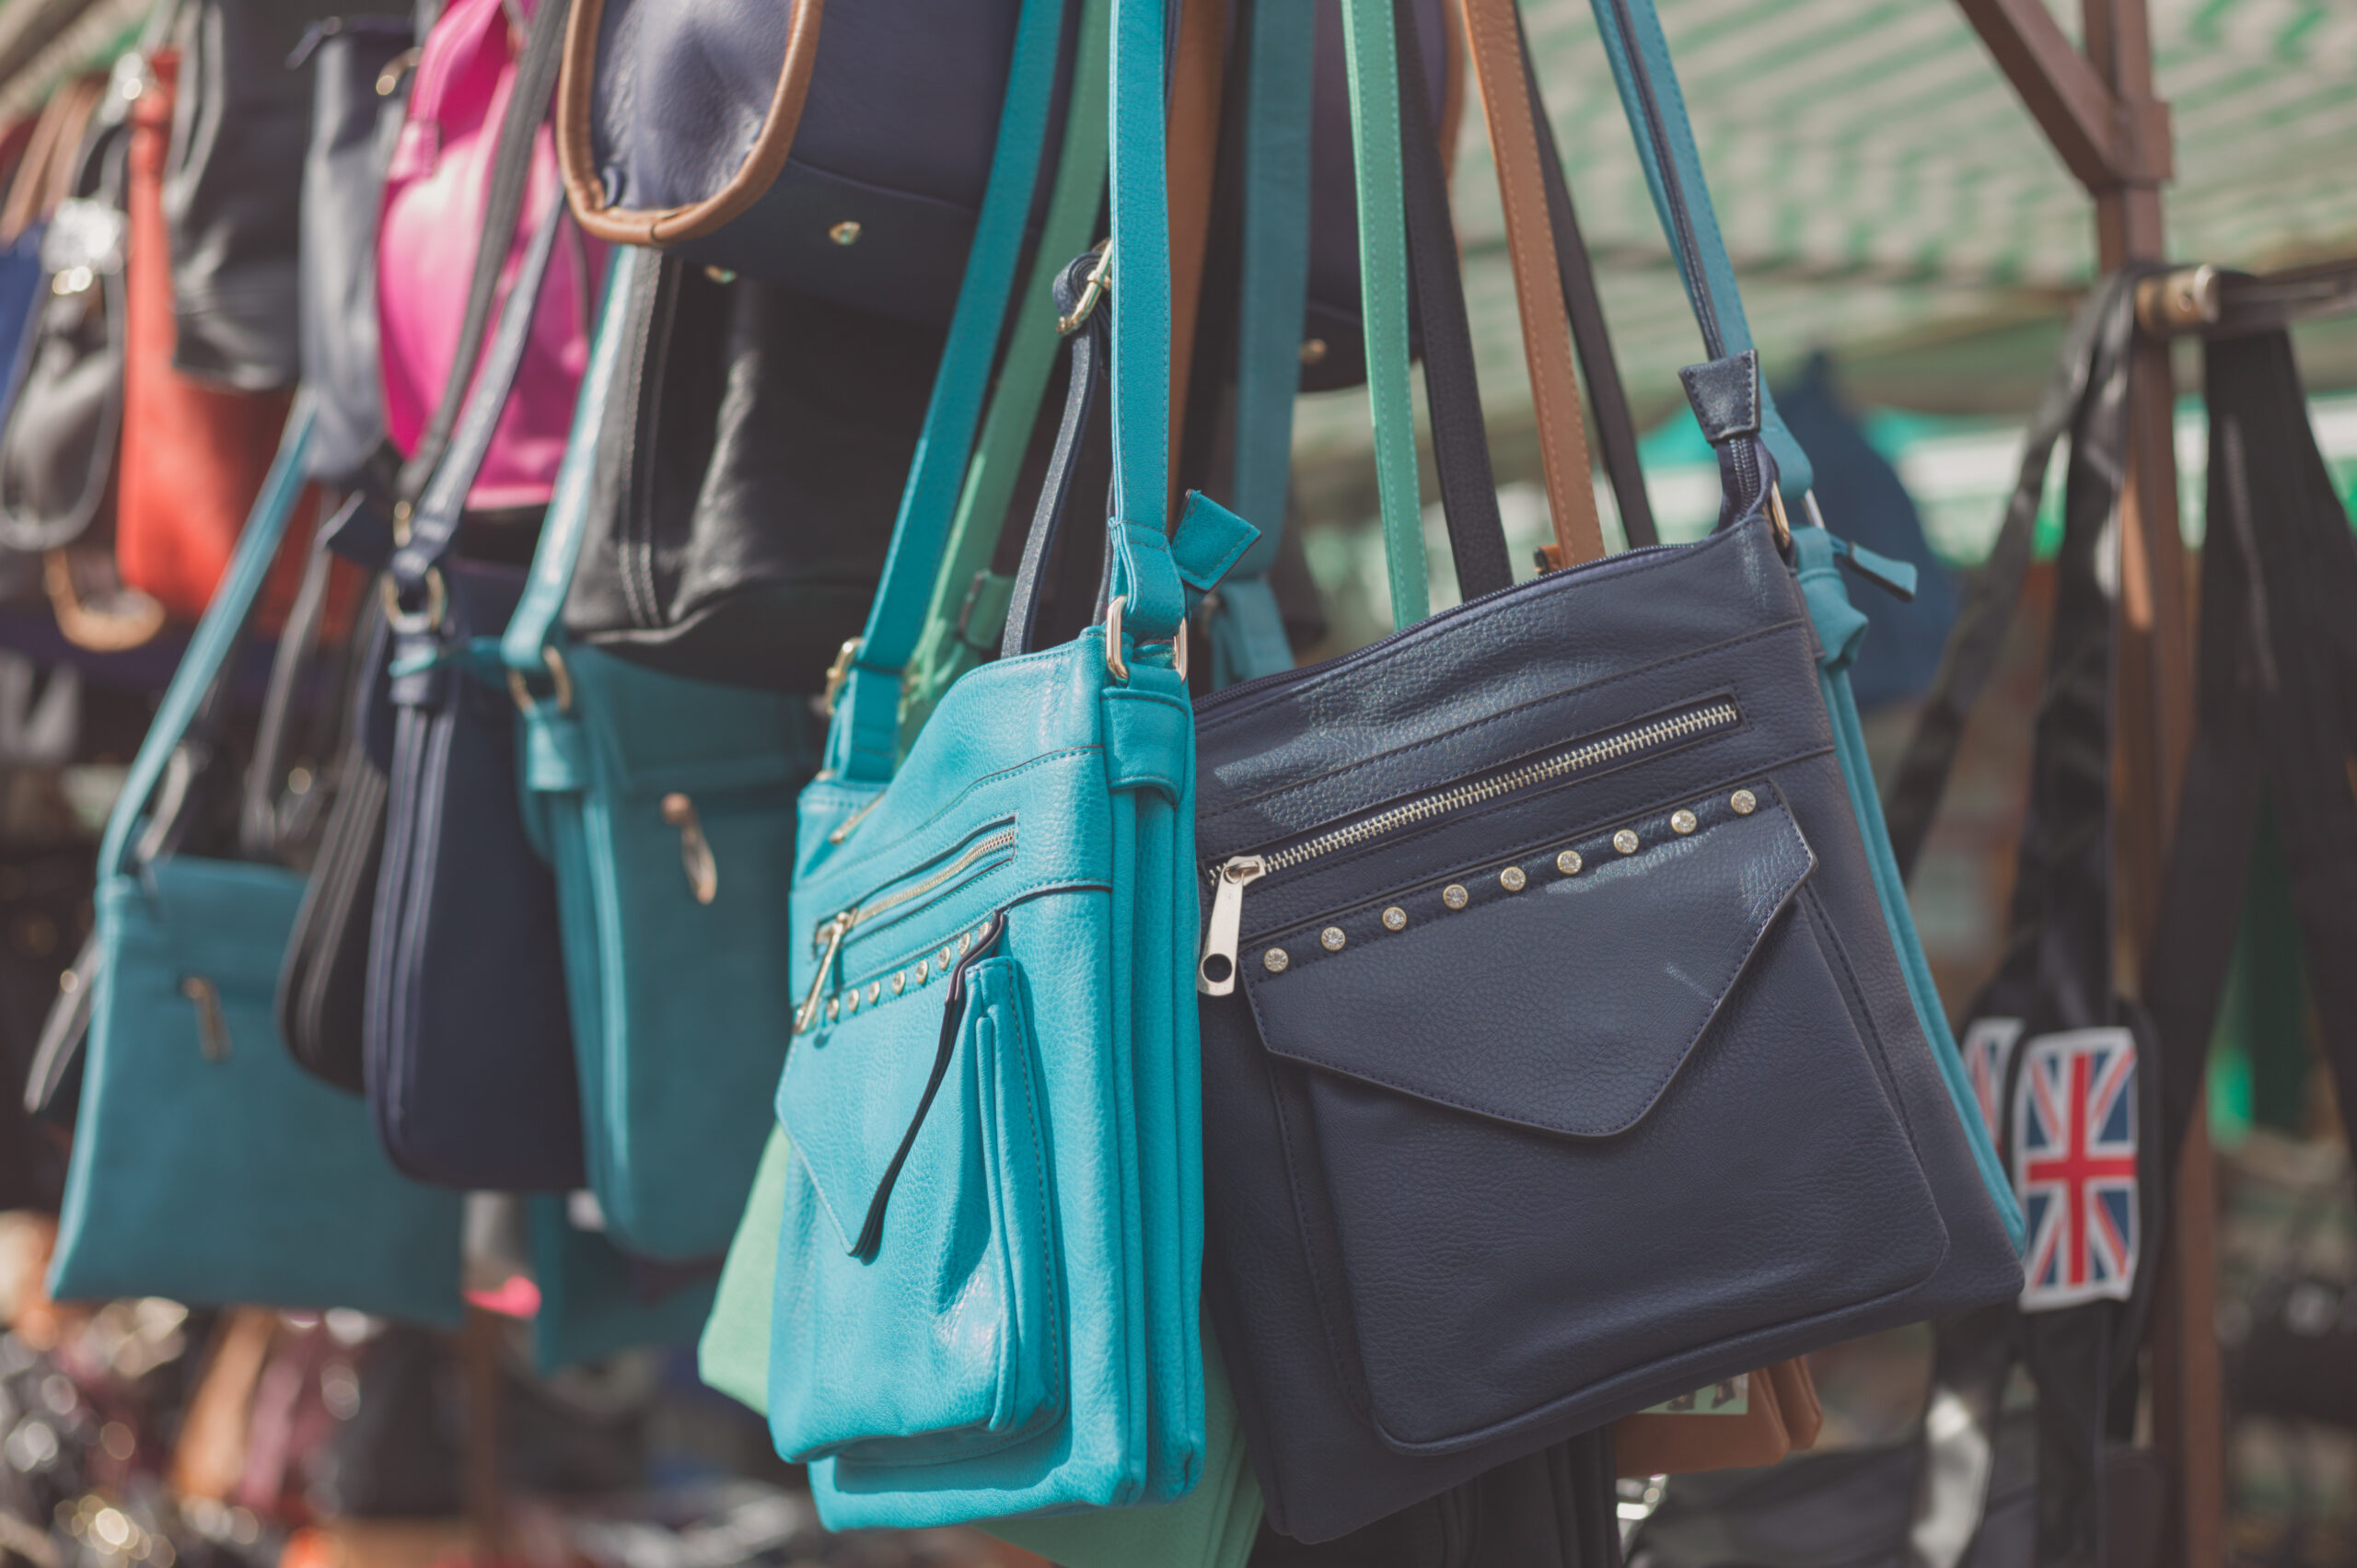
(410, 622)
(1776, 513)
(1100, 279)
(1115, 664)
(838, 672)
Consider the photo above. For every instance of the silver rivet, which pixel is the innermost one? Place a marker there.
(965, 942)
(900, 982)
(850, 1003)
(1625, 841)
(875, 992)
(1568, 863)
(923, 970)
(1455, 896)
(1512, 879)
(1681, 821)
(943, 959)
(845, 232)
(1332, 938)
(1395, 919)
(1276, 960)
(1743, 802)
(834, 1006)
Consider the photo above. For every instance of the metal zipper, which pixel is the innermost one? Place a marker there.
(212, 1026)
(831, 932)
(1215, 971)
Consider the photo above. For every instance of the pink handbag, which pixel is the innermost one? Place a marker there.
(435, 193)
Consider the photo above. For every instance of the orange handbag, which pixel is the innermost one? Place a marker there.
(1780, 1414)
(193, 453)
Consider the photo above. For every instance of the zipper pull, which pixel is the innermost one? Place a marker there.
(695, 851)
(833, 935)
(1216, 971)
(212, 1029)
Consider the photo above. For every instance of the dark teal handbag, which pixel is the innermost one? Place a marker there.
(666, 805)
(207, 1166)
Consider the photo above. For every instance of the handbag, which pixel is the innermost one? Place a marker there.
(1032, 870)
(206, 1166)
(467, 1046)
(358, 97)
(448, 175)
(186, 484)
(233, 189)
(663, 803)
(50, 159)
(1554, 772)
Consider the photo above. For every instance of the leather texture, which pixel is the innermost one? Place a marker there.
(752, 457)
(206, 1168)
(187, 483)
(354, 127)
(438, 185)
(1356, 1395)
(233, 190)
(1494, 32)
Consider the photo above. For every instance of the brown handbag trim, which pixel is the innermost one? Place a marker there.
(1796, 1400)
(1651, 1444)
(670, 226)
(44, 174)
(1495, 42)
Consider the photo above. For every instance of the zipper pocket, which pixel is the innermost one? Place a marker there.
(1215, 971)
(831, 932)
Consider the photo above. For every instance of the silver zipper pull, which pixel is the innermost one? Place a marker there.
(1215, 971)
(833, 935)
(211, 1027)
(695, 851)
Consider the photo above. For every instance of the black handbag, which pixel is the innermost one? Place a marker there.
(1522, 922)
(233, 187)
(750, 465)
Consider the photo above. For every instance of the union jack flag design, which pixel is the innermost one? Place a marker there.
(2074, 1165)
(1988, 1047)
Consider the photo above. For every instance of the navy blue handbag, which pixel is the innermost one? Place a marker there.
(1558, 1058)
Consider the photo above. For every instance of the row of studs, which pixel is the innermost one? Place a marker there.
(1455, 896)
(847, 1004)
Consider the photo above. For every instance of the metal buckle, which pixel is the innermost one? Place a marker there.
(1776, 514)
(559, 677)
(1118, 667)
(410, 622)
(838, 672)
(1100, 278)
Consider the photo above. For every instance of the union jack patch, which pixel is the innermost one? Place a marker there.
(1987, 1048)
(2074, 1165)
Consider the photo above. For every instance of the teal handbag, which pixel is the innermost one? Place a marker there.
(1008, 911)
(594, 1301)
(663, 803)
(207, 1166)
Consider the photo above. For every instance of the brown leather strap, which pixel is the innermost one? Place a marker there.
(1197, 77)
(1496, 46)
(45, 174)
(669, 226)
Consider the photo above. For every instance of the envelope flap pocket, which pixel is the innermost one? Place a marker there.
(850, 1093)
(1562, 990)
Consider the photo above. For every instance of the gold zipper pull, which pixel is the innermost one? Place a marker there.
(211, 1027)
(833, 935)
(696, 851)
(1216, 971)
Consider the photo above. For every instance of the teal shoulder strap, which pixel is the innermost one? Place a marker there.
(1374, 61)
(953, 640)
(215, 638)
(533, 629)
(865, 740)
(1248, 635)
(1656, 110)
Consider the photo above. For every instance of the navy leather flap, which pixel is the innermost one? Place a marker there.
(1561, 989)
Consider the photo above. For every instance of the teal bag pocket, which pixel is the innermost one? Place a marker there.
(916, 1233)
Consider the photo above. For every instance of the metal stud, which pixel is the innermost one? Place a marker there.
(1276, 960)
(851, 1001)
(875, 992)
(833, 1007)
(1512, 879)
(1625, 841)
(845, 232)
(1395, 919)
(900, 982)
(1743, 802)
(1681, 821)
(1455, 896)
(943, 959)
(922, 971)
(1568, 863)
(965, 942)
(1332, 938)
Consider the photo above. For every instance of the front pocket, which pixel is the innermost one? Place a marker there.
(1584, 1115)
(917, 1315)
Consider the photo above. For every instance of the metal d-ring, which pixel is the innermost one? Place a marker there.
(559, 677)
(409, 622)
(1118, 667)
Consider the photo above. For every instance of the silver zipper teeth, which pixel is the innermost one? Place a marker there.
(996, 841)
(1677, 726)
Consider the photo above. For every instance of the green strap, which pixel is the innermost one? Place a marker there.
(955, 638)
(1383, 296)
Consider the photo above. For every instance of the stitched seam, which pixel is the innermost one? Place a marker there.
(951, 804)
(1049, 1271)
(1536, 705)
(1837, 959)
(1652, 1095)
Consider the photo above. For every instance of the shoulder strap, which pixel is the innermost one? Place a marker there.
(864, 742)
(527, 105)
(1198, 73)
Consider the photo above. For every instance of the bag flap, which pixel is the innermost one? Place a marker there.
(1573, 981)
